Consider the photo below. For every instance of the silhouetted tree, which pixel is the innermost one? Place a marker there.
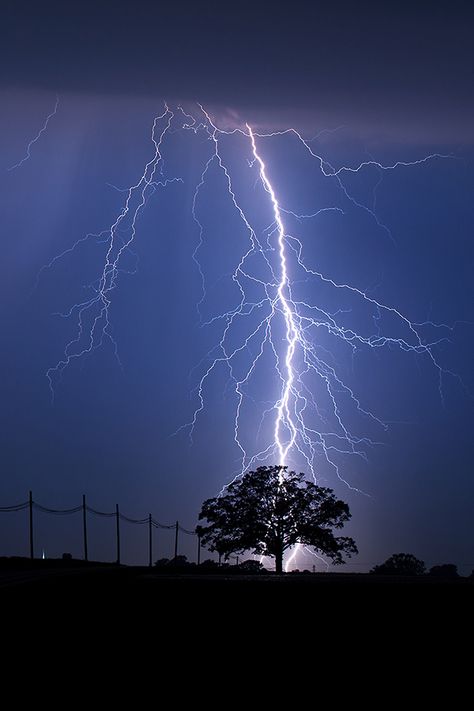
(269, 510)
(400, 564)
(162, 562)
(251, 566)
(209, 564)
(447, 570)
(180, 561)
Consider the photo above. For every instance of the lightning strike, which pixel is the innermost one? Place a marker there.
(37, 137)
(273, 333)
(95, 311)
(283, 417)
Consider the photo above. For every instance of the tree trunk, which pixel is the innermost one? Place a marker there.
(279, 561)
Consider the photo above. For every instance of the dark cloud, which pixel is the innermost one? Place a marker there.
(384, 64)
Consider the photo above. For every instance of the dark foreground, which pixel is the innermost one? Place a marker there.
(102, 606)
(72, 577)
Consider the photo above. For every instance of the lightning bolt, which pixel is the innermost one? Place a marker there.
(34, 140)
(93, 314)
(283, 419)
(291, 431)
(274, 333)
(302, 356)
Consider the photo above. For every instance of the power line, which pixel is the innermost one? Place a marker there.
(85, 509)
(15, 507)
(100, 513)
(60, 512)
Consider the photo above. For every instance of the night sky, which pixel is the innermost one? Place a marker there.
(397, 85)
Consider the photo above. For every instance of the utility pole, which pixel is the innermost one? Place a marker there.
(150, 541)
(176, 541)
(30, 502)
(199, 549)
(84, 526)
(117, 516)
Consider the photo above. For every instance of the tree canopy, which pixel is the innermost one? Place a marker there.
(269, 510)
(400, 564)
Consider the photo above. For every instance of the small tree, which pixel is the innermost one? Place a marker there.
(251, 566)
(269, 510)
(400, 564)
(180, 561)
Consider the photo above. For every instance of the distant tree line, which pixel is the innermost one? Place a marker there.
(181, 564)
(401, 564)
(408, 564)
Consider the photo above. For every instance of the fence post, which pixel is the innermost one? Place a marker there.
(199, 549)
(150, 541)
(117, 517)
(84, 526)
(30, 502)
(176, 541)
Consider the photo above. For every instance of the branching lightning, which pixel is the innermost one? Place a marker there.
(274, 333)
(93, 314)
(301, 360)
(37, 137)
